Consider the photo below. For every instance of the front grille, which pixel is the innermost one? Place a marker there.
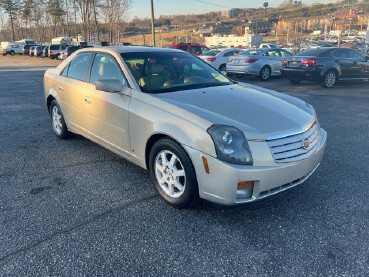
(291, 148)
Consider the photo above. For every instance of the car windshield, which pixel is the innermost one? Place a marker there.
(211, 53)
(158, 72)
(250, 52)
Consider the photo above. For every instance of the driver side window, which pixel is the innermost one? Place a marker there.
(105, 67)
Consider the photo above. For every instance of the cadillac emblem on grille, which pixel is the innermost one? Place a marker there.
(305, 143)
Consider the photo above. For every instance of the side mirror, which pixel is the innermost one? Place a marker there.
(109, 85)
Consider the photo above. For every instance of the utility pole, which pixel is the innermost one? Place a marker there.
(152, 22)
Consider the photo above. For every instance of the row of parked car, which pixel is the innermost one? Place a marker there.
(325, 65)
(54, 51)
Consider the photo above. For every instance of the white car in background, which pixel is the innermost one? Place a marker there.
(218, 58)
(263, 62)
(11, 48)
(268, 45)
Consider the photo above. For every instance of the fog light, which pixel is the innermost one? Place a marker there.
(245, 189)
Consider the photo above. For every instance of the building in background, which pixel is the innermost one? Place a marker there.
(231, 13)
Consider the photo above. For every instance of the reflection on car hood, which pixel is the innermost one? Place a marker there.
(258, 112)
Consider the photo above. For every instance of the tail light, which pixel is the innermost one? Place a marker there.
(50, 52)
(284, 62)
(67, 54)
(211, 59)
(250, 61)
(229, 60)
(307, 62)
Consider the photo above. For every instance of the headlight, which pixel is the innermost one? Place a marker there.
(230, 144)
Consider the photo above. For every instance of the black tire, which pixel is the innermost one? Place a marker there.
(265, 73)
(12, 53)
(52, 57)
(190, 195)
(223, 67)
(294, 82)
(64, 133)
(329, 79)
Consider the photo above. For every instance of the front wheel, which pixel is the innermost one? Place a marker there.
(222, 68)
(329, 79)
(57, 120)
(173, 174)
(12, 53)
(265, 73)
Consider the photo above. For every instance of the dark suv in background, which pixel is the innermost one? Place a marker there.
(25, 49)
(326, 65)
(56, 50)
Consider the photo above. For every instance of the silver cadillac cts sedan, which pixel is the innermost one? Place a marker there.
(199, 134)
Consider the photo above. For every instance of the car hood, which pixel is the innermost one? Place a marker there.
(257, 112)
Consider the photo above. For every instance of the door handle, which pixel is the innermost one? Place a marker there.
(61, 88)
(87, 99)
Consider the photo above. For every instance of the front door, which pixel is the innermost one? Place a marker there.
(106, 113)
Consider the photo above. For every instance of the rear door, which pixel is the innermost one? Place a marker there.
(346, 64)
(106, 113)
(69, 86)
(274, 60)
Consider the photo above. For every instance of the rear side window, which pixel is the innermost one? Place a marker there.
(285, 53)
(54, 47)
(78, 66)
(312, 52)
(182, 47)
(340, 53)
(272, 53)
(195, 50)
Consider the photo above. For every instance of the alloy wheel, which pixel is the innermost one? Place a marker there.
(330, 79)
(57, 123)
(170, 174)
(265, 73)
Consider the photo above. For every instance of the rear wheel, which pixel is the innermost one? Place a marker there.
(265, 73)
(173, 174)
(12, 53)
(329, 79)
(57, 120)
(294, 82)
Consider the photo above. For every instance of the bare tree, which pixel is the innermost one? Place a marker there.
(114, 11)
(11, 8)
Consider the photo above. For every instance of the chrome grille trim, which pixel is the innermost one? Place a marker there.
(290, 148)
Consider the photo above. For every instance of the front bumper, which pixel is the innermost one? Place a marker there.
(270, 178)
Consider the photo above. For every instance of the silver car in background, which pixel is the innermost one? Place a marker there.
(263, 62)
(218, 58)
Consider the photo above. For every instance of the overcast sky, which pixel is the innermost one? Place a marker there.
(141, 8)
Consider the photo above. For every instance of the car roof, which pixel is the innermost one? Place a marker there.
(131, 49)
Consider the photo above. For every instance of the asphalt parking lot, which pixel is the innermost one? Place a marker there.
(71, 207)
